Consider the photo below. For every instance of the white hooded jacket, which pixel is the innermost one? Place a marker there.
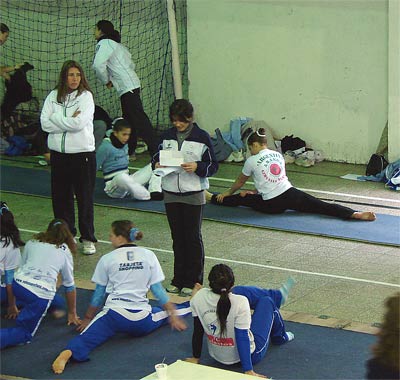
(69, 134)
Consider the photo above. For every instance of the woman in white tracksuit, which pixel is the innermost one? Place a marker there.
(114, 67)
(67, 116)
(127, 272)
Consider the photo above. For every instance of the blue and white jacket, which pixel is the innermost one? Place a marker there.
(112, 160)
(113, 62)
(197, 147)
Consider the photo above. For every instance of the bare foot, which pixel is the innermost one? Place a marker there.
(61, 361)
(208, 196)
(366, 215)
(59, 313)
(196, 288)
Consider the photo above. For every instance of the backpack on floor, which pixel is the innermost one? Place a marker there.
(295, 144)
(222, 149)
(376, 164)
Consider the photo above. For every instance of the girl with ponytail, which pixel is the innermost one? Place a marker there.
(45, 256)
(128, 273)
(10, 257)
(223, 313)
(274, 194)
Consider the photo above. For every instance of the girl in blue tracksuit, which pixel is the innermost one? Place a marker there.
(127, 272)
(184, 194)
(45, 256)
(114, 68)
(223, 313)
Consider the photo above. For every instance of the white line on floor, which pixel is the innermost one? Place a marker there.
(266, 266)
(308, 190)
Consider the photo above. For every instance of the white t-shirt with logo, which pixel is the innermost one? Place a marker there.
(222, 348)
(128, 272)
(269, 174)
(41, 263)
(10, 257)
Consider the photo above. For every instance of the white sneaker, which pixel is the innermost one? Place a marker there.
(88, 247)
(290, 336)
(238, 156)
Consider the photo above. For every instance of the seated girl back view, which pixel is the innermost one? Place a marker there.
(223, 313)
(274, 193)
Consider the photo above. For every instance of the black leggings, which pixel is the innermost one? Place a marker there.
(133, 112)
(292, 199)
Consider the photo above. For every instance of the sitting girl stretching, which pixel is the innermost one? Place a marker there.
(10, 257)
(128, 272)
(112, 157)
(274, 193)
(35, 282)
(233, 334)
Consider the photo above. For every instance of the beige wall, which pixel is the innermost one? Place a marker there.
(317, 69)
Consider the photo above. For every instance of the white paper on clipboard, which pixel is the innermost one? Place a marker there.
(171, 158)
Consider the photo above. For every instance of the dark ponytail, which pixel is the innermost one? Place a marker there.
(107, 28)
(259, 136)
(222, 279)
(8, 229)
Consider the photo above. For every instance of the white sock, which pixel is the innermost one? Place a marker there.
(289, 335)
(285, 289)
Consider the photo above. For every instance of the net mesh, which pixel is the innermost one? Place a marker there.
(46, 33)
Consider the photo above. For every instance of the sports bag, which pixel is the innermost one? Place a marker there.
(376, 164)
(295, 144)
(222, 149)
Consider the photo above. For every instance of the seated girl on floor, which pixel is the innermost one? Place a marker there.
(274, 193)
(34, 285)
(112, 157)
(223, 313)
(10, 257)
(127, 272)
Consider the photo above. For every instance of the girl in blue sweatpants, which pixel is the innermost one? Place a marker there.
(34, 285)
(128, 272)
(223, 313)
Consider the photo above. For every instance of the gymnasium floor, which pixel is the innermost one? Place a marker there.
(339, 283)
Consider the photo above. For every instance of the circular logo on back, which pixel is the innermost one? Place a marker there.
(275, 169)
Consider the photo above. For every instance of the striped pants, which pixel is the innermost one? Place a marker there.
(111, 321)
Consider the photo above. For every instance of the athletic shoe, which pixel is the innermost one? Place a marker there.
(319, 155)
(141, 147)
(88, 247)
(289, 157)
(186, 292)
(58, 313)
(305, 159)
(172, 289)
(236, 156)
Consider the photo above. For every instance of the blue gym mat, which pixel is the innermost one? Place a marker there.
(315, 353)
(385, 230)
